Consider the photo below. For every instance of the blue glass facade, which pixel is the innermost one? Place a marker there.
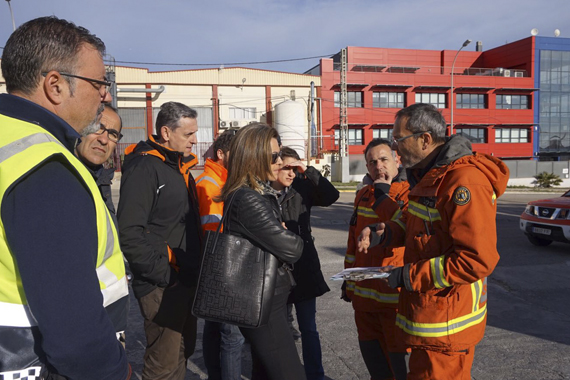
(552, 103)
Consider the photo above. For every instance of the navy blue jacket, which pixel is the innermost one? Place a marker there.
(50, 222)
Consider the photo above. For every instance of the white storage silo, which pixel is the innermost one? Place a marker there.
(291, 124)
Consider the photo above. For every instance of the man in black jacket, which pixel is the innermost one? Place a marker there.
(160, 234)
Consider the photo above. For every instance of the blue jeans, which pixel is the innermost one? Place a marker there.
(312, 356)
(222, 350)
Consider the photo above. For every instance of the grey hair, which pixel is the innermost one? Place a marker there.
(421, 117)
(171, 113)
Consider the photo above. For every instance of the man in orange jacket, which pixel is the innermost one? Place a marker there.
(374, 302)
(222, 342)
(450, 240)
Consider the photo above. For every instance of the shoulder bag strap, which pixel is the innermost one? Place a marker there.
(223, 218)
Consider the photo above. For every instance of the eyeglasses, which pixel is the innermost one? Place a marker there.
(103, 84)
(395, 142)
(113, 134)
(275, 156)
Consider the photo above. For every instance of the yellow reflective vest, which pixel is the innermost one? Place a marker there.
(24, 146)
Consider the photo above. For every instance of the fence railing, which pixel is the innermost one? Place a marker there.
(434, 70)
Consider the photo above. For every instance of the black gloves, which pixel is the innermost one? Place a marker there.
(381, 189)
(396, 278)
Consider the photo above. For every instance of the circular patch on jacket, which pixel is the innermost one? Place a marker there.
(461, 196)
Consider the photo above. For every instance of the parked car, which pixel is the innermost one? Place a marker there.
(547, 220)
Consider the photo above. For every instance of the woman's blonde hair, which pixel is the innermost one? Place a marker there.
(249, 159)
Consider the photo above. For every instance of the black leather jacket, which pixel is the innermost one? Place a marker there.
(257, 217)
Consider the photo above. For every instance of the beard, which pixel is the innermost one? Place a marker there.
(95, 125)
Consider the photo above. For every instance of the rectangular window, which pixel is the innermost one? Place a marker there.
(388, 100)
(243, 113)
(513, 102)
(476, 101)
(353, 99)
(475, 135)
(354, 137)
(438, 100)
(511, 135)
(382, 134)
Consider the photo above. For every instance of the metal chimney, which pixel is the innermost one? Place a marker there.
(479, 46)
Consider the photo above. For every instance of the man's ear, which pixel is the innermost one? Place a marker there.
(220, 154)
(397, 159)
(427, 140)
(165, 133)
(54, 87)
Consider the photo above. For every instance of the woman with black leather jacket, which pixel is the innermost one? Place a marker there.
(254, 214)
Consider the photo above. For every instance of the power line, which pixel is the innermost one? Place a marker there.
(225, 63)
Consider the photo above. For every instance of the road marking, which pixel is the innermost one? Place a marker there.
(504, 213)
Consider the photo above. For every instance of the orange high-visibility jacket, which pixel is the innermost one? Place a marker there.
(371, 295)
(208, 186)
(450, 240)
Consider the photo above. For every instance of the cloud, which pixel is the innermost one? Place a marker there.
(218, 31)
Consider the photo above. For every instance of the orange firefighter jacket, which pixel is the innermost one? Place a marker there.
(208, 186)
(372, 295)
(450, 240)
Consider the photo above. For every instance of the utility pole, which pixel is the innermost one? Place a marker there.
(343, 105)
(12, 14)
(111, 77)
(451, 105)
(343, 119)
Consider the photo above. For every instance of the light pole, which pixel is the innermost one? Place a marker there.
(467, 42)
(12, 14)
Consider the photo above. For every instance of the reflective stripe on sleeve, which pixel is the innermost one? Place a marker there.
(476, 289)
(397, 215)
(209, 179)
(423, 212)
(212, 218)
(438, 272)
(366, 212)
(349, 258)
(399, 223)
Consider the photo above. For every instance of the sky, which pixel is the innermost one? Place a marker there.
(233, 33)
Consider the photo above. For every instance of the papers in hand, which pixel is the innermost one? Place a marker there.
(365, 273)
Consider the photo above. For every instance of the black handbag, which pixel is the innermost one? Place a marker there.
(237, 280)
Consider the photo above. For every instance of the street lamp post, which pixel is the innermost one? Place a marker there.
(467, 42)
(12, 14)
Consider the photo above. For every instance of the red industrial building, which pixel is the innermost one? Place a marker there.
(494, 94)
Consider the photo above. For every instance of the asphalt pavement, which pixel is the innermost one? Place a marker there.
(528, 330)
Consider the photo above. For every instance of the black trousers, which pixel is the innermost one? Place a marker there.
(273, 350)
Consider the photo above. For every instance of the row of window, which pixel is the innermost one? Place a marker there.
(397, 100)
(475, 135)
